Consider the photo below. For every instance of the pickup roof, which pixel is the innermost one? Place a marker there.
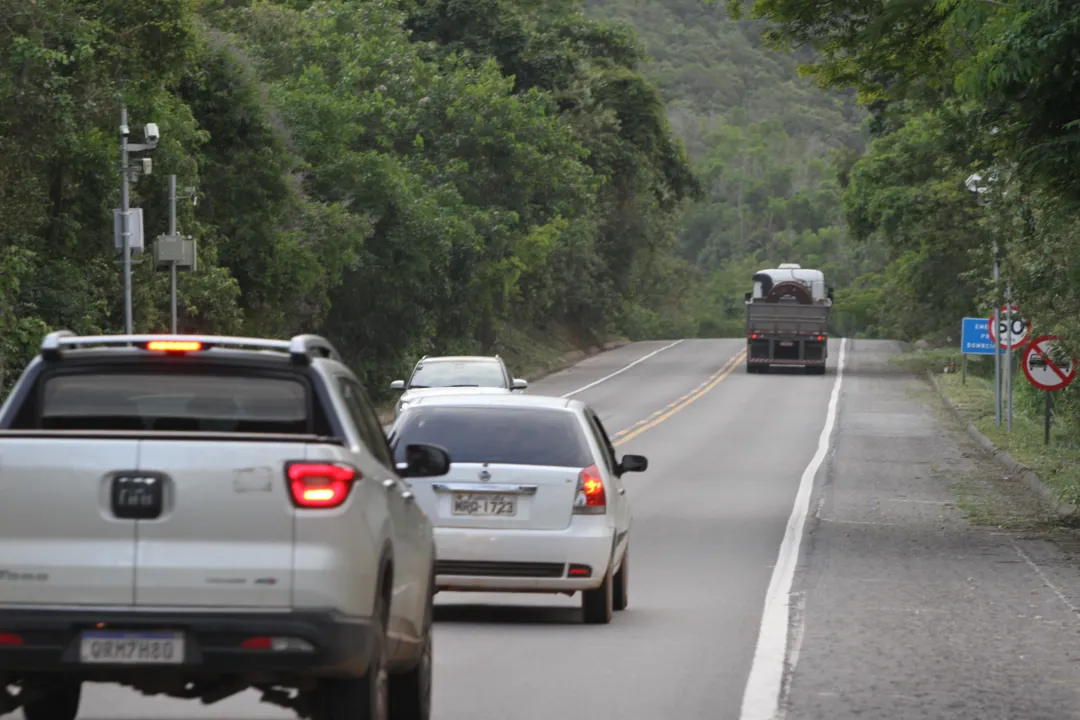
(200, 515)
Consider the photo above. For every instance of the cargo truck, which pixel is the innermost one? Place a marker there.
(787, 316)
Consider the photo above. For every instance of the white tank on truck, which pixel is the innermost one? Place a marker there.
(787, 317)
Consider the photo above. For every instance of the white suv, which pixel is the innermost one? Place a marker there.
(455, 375)
(196, 516)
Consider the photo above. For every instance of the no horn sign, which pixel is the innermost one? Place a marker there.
(1041, 367)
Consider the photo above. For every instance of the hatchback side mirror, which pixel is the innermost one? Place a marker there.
(424, 460)
(520, 384)
(633, 463)
(397, 385)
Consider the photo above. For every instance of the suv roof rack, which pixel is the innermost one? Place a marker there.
(301, 348)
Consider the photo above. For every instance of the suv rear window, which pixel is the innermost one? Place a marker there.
(514, 436)
(458, 373)
(175, 401)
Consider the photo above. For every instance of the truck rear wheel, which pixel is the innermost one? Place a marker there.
(60, 702)
(815, 369)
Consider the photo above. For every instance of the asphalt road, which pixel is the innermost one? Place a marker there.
(726, 452)
(899, 609)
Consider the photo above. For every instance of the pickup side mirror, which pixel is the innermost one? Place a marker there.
(829, 294)
(520, 384)
(424, 460)
(633, 463)
(747, 296)
(397, 385)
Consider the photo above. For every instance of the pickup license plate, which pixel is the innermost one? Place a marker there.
(484, 504)
(132, 648)
(787, 343)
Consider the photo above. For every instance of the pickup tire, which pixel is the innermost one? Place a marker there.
(815, 369)
(410, 692)
(365, 698)
(60, 702)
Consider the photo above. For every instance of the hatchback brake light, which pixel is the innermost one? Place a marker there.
(10, 639)
(590, 499)
(320, 485)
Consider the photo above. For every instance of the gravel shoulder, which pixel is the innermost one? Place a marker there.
(932, 584)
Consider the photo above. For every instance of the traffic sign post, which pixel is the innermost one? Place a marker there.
(1045, 371)
(1008, 329)
(974, 340)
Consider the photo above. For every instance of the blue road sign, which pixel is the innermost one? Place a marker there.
(975, 337)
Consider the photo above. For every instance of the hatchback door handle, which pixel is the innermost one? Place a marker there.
(622, 491)
(388, 483)
(407, 496)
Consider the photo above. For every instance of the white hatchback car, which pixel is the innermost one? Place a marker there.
(534, 501)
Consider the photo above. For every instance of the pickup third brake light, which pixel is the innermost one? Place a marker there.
(320, 485)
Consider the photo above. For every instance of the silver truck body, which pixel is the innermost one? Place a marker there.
(126, 510)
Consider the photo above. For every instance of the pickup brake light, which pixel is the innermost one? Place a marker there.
(320, 485)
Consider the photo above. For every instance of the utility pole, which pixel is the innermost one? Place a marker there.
(125, 224)
(997, 348)
(172, 265)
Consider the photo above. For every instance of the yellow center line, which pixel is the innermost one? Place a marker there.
(663, 414)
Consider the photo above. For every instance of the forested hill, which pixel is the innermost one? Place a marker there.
(767, 145)
(408, 177)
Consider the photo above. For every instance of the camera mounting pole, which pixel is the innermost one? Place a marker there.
(127, 174)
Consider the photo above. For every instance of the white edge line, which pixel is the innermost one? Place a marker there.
(761, 699)
(623, 369)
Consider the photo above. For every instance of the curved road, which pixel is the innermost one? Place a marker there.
(726, 452)
(886, 565)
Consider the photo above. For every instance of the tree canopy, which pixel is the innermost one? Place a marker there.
(405, 177)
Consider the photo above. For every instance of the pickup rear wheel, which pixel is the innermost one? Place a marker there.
(363, 698)
(58, 701)
(410, 692)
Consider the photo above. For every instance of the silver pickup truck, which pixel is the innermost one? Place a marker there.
(196, 516)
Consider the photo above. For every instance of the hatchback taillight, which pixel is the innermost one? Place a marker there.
(590, 499)
(320, 485)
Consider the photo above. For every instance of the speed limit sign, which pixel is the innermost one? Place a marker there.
(1021, 328)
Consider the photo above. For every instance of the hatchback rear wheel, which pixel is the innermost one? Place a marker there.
(621, 596)
(597, 604)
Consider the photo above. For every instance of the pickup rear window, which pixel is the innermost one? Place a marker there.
(513, 436)
(175, 401)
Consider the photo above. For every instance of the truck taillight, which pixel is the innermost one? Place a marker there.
(320, 485)
(590, 499)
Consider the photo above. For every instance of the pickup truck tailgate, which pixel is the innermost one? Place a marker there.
(60, 542)
(225, 534)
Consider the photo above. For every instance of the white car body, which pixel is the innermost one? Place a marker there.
(410, 396)
(546, 545)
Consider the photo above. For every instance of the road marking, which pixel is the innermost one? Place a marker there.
(761, 699)
(664, 413)
(620, 370)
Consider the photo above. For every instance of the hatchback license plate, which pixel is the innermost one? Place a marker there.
(485, 504)
(132, 648)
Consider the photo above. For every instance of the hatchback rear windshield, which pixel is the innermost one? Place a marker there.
(175, 401)
(514, 436)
